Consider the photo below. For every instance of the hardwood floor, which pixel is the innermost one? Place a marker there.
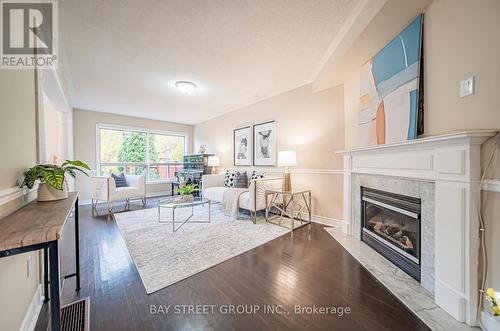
(306, 269)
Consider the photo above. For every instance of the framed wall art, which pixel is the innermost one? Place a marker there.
(390, 91)
(264, 141)
(242, 142)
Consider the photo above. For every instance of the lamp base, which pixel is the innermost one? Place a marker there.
(287, 181)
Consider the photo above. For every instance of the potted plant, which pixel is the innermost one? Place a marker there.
(53, 185)
(492, 298)
(186, 191)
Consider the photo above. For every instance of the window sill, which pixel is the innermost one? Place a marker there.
(159, 182)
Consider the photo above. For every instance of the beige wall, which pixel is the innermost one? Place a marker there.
(17, 108)
(460, 40)
(18, 151)
(310, 123)
(52, 121)
(84, 129)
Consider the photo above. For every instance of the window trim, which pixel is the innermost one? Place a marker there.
(146, 164)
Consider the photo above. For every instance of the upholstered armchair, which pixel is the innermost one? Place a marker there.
(104, 190)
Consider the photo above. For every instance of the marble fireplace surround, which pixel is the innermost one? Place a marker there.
(444, 166)
(412, 188)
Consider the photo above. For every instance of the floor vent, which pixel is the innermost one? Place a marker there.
(75, 316)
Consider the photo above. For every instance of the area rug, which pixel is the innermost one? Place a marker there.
(164, 257)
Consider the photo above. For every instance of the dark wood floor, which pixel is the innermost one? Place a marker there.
(306, 269)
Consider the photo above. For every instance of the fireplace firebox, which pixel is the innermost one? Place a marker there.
(390, 224)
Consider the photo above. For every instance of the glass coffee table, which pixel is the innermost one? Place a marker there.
(171, 204)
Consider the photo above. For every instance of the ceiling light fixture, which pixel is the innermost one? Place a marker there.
(185, 87)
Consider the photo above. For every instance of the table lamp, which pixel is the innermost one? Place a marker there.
(287, 159)
(214, 162)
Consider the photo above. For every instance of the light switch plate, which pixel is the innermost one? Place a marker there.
(467, 87)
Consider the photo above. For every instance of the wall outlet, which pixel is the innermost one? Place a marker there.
(467, 87)
(28, 267)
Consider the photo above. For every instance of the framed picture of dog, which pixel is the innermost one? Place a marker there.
(243, 146)
(264, 144)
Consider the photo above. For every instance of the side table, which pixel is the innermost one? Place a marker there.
(291, 205)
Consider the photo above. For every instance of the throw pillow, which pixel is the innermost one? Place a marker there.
(229, 179)
(240, 180)
(256, 175)
(120, 180)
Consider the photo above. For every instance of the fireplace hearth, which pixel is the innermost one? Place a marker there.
(390, 224)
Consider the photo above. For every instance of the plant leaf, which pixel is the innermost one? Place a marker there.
(31, 175)
(71, 172)
(75, 163)
(72, 169)
(54, 178)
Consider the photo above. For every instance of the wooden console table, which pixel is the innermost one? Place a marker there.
(38, 225)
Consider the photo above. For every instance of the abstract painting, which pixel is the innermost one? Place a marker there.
(264, 137)
(243, 146)
(390, 90)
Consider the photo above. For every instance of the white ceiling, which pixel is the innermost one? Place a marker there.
(124, 56)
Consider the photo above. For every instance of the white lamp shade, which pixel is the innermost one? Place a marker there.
(213, 161)
(287, 159)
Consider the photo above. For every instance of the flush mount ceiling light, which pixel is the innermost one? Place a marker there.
(185, 87)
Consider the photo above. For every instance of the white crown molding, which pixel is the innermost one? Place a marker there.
(353, 26)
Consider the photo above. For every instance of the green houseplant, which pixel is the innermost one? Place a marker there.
(52, 185)
(186, 191)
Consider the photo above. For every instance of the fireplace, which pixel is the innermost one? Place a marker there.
(390, 224)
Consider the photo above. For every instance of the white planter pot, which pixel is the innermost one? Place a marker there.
(48, 193)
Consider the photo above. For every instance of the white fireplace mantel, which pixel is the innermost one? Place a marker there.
(451, 161)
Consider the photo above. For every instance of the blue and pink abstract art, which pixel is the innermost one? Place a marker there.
(389, 90)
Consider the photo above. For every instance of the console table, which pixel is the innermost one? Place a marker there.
(38, 225)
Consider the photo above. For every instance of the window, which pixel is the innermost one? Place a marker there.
(140, 152)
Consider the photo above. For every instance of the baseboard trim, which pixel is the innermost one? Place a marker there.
(325, 220)
(31, 316)
(330, 221)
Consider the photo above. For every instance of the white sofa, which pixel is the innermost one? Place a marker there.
(104, 190)
(254, 200)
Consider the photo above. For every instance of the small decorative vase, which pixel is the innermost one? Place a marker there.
(187, 198)
(48, 193)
